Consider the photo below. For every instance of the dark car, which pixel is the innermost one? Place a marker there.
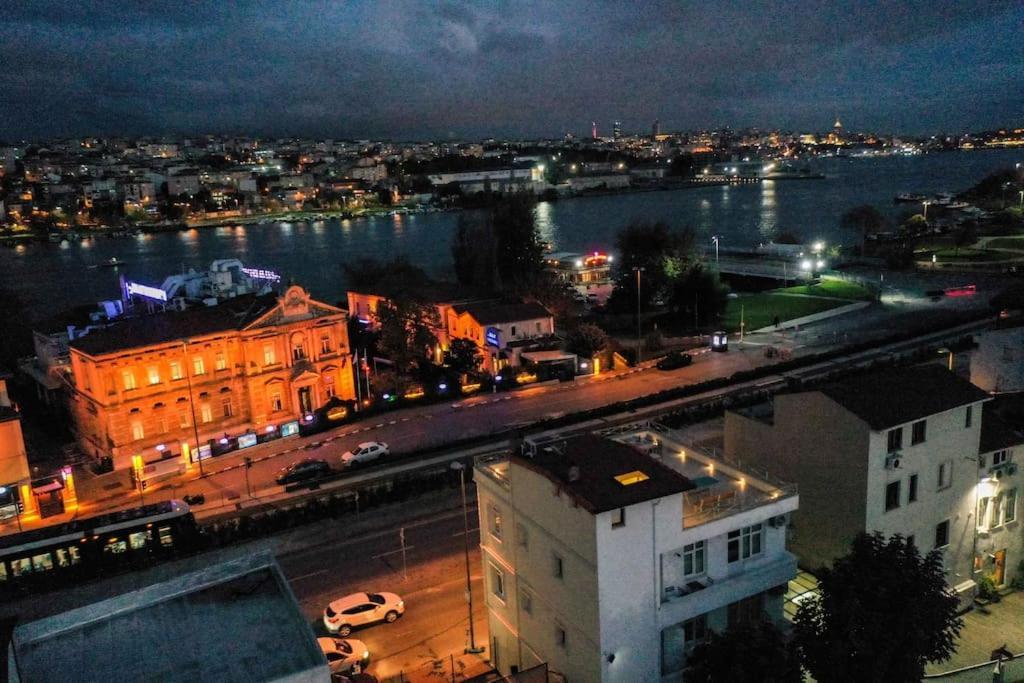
(674, 360)
(303, 470)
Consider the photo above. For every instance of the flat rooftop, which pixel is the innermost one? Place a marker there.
(233, 621)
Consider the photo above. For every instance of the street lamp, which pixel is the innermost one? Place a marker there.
(472, 649)
(639, 351)
(715, 239)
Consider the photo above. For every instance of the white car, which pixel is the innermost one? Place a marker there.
(343, 655)
(344, 614)
(364, 453)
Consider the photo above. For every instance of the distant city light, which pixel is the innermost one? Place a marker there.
(806, 264)
(270, 428)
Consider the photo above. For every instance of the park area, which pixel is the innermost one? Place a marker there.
(760, 310)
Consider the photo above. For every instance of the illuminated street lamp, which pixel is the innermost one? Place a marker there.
(472, 649)
(716, 239)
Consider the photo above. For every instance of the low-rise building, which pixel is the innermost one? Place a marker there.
(612, 559)
(183, 379)
(14, 472)
(999, 551)
(503, 330)
(891, 451)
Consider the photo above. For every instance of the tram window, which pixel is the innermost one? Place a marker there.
(42, 563)
(139, 539)
(75, 556)
(3, 571)
(67, 556)
(115, 547)
(21, 566)
(165, 536)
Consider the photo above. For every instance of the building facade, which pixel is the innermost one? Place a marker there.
(172, 382)
(502, 330)
(892, 452)
(611, 560)
(999, 547)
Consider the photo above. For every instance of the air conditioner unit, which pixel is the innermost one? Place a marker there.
(892, 462)
(1000, 473)
(777, 521)
(1011, 468)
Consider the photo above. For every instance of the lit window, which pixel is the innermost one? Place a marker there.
(497, 582)
(745, 543)
(629, 478)
(198, 367)
(128, 378)
(175, 370)
(221, 361)
(154, 375)
(983, 511)
(1010, 506)
(693, 559)
(945, 474)
(275, 402)
(942, 534)
(895, 439)
(269, 357)
(495, 520)
(42, 563)
(139, 539)
(206, 413)
(138, 433)
(325, 344)
(618, 518)
(226, 407)
(892, 496)
(918, 432)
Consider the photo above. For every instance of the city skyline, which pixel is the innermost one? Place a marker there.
(418, 71)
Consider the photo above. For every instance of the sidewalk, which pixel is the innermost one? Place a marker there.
(985, 629)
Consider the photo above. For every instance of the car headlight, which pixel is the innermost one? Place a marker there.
(401, 603)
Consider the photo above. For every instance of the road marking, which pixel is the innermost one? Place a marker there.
(306, 576)
(459, 533)
(391, 552)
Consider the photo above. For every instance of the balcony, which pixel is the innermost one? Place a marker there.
(718, 499)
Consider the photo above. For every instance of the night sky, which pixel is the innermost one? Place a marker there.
(405, 70)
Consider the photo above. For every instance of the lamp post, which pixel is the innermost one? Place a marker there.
(472, 649)
(715, 239)
(639, 350)
(192, 404)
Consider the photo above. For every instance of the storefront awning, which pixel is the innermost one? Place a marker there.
(48, 487)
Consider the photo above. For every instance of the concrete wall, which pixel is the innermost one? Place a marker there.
(997, 365)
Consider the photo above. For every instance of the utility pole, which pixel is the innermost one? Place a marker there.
(192, 404)
(742, 322)
(248, 466)
(639, 350)
(405, 567)
(472, 649)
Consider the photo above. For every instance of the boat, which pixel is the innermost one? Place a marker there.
(958, 206)
(943, 197)
(112, 262)
(909, 197)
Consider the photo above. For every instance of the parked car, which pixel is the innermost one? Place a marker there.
(364, 453)
(303, 470)
(674, 360)
(359, 609)
(343, 655)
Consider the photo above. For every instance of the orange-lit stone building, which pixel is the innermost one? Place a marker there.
(147, 386)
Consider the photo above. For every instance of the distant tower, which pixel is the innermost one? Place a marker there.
(593, 129)
(838, 126)
(656, 129)
(617, 130)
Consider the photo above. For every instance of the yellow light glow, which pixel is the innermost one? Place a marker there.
(630, 478)
(470, 388)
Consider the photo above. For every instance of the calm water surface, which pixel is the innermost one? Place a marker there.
(50, 277)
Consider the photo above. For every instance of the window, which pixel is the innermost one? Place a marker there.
(275, 402)
(325, 344)
(22, 565)
(746, 611)
(513, 330)
(558, 566)
(968, 417)
(522, 536)
(561, 637)
(166, 537)
(892, 496)
(183, 419)
(983, 511)
(42, 563)
(221, 361)
(745, 543)
(917, 432)
(912, 489)
(175, 370)
(618, 518)
(138, 539)
(693, 559)
(1010, 506)
(198, 367)
(895, 439)
(269, 357)
(526, 600)
(68, 557)
(999, 457)
(205, 413)
(138, 433)
(154, 374)
(694, 631)
(945, 474)
(495, 521)
(942, 534)
(298, 352)
(225, 405)
(538, 328)
(497, 582)
(128, 378)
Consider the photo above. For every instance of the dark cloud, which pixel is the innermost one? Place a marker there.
(531, 67)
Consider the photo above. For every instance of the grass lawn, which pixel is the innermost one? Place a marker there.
(839, 289)
(1007, 243)
(969, 254)
(759, 310)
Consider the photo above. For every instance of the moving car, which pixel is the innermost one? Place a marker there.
(358, 609)
(303, 470)
(674, 360)
(343, 655)
(364, 453)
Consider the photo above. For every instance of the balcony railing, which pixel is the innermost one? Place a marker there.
(706, 505)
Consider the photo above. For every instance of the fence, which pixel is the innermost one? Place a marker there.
(1009, 670)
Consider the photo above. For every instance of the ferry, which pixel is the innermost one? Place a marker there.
(909, 197)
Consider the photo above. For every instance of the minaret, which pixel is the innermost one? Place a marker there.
(838, 126)
(593, 129)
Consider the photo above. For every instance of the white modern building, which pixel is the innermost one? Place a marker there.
(893, 452)
(611, 559)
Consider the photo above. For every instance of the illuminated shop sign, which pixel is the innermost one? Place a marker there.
(246, 440)
(290, 428)
(493, 337)
(134, 288)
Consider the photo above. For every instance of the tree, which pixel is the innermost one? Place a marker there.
(16, 340)
(964, 236)
(915, 224)
(864, 220)
(698, 294)
(407, 330)
(661, 253)
(747, 653)
(499, 248)
(787, 237)
(883, 612)
(587, 340)
(463, 356)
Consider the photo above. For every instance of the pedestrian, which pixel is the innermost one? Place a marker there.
(776, 321)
